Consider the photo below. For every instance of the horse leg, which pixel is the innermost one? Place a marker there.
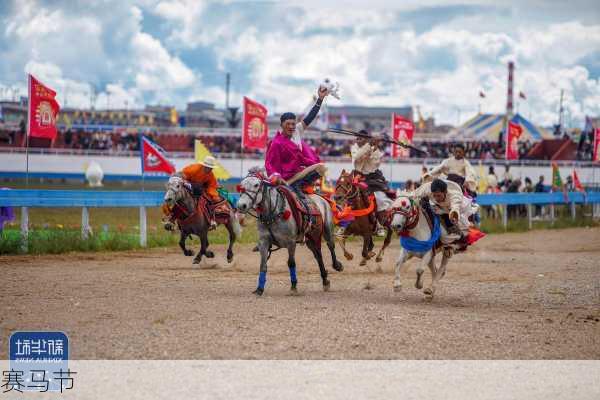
(365, 251)
(264, 245)
(316, 250)
(292, 267)
(445, 258)
(186, 252)
(329, 238)
(420, 270)
(386, 243)
(203, 248)
(342, 242)
(398, 268)
(370, 247)
(429, 291)
(231, 232)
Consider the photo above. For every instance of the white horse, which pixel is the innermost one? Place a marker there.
(408, 218)
(276, 227)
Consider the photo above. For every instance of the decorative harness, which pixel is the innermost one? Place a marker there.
(350, 194)
(410, 211)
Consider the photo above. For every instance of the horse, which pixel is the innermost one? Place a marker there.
(192, 220)
(273, 207)
(348, 192)
(409, 219)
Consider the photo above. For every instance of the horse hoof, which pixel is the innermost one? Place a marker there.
(209, 254)
(196, 261)
(363, 262)
(188, 253)
(338, 266)
(229, 258)
(348, 256)
(428, 292)
(378, 259)
(293, 291)
(326, 286)
(370, 255)
(419, 282)
(259, 291)
(397, 289)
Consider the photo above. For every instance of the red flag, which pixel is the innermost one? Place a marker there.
(153, 159)
(42, 111)
(403, 130)
(577, 183)
(512, 140)
(596, 146)
(255, 130)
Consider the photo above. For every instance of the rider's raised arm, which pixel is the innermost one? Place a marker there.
(314, 111)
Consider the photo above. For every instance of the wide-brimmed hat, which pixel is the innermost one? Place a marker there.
(209, 162)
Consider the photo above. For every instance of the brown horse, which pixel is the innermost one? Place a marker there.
(349, 192)
(191, 218)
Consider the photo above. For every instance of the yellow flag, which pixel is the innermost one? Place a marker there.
(201, 152)
(174, 117)
(482, 187)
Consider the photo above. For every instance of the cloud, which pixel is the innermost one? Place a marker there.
(436, 54)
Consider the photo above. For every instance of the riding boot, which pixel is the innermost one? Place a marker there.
(381, 222)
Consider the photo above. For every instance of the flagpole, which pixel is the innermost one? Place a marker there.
(141, 138)
(27, 132)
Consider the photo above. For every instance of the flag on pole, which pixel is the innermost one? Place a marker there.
(512, 141)
(154, 159)
(596, 145)
(255, 130)
(42, 110)
(201, 152)
(557, 182)
(577, 183)
(403, 130)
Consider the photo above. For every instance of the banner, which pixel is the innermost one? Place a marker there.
(596, 145)
(255, 130)
(200, 153)
(512, 141)
(42, 111)
(403, 130)
(153, 158)
(577, 183)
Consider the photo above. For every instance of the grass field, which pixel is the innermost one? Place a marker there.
(58, 230)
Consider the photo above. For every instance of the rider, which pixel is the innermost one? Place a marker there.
(447, 200)
(200, 179)
(457, 169)
(289, 157)
(366, 158)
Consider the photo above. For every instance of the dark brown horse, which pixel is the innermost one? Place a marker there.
(191, 218)
(349, 191)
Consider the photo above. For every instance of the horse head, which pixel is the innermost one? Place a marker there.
(250, 189)
(175, 188)
(344, 188)
(404, 214)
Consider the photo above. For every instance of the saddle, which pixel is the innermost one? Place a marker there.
(309, 221)
(220, 209)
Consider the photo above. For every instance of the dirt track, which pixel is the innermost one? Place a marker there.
(514, 296)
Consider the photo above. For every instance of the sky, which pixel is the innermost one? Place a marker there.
(435, 54)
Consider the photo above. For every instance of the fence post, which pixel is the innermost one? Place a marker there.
(505, 216)
(573, 211)
(25, 229)
(143, 230)
(552, 213)
(85, 223)
(529, 215)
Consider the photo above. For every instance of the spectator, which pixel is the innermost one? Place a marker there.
(539, 188)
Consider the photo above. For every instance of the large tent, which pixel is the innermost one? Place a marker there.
(489, 126)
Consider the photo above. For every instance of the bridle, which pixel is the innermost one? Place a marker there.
(274, 212)
(409, 211)
(348, 193)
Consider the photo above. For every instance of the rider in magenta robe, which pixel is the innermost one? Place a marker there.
(288, 155)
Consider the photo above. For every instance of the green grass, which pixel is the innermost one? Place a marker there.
(58, 230)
